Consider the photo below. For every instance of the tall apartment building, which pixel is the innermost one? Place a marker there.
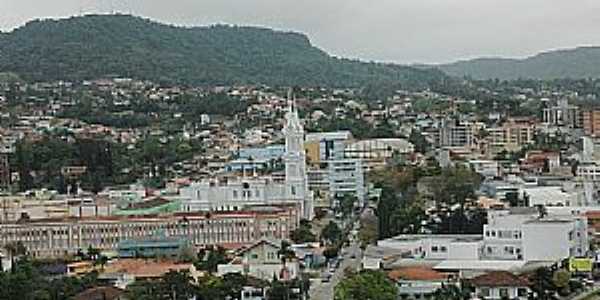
(562, 114)
(331, 171)
(511, 136)
(591, 122)
(453, 133)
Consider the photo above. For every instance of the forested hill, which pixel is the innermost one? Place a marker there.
(583, 62)
(97, 46)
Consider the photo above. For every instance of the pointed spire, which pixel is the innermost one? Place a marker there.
(292, 119)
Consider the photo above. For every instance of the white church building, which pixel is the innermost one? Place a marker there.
(235, 194)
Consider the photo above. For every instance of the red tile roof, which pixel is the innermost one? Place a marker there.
(417, 273)
(499, 278)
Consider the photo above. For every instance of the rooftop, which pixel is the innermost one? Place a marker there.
(498, 279)
(420, 273)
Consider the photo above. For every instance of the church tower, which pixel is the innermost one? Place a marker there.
(295, 160)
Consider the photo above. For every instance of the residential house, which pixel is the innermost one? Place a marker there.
(261, 260)
(501, 285)
(419, 282)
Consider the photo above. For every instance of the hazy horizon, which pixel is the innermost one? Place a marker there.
(406, 32)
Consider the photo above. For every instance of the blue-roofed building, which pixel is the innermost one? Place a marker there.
(247, 165)
(159, 246)
(268, 153)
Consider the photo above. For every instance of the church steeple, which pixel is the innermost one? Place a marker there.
(295, 159)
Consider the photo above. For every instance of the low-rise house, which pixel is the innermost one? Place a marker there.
(263, 261)
(501, 285)
(145, 269)
(419, 282)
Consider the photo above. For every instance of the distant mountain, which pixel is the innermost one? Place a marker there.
(97, 46)
(583, 62)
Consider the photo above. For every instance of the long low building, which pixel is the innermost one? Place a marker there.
(61, 237)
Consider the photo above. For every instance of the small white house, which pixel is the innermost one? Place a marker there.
(262, 261)
(501, 285)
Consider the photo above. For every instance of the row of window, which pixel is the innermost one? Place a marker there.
(504, 234)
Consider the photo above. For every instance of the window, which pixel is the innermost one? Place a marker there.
(443, 249)
(485, 292)
(434, 249)
(503, 293)
(293, 190)
(235, 194)
(522, 292)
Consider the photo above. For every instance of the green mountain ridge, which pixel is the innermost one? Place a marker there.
(577, 63)
(96, 46)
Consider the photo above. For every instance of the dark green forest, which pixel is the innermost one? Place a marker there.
(578, 63)
(97, 46)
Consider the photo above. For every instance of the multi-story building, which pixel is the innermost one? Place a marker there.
(521, 234)
(589, 171)
(453, 133)
(511, 136)
(338, 178)
(59, 237)
(516, 235)
(375, 152)
(562, 114)
(335, 169)
(591, 122)
(324, 146)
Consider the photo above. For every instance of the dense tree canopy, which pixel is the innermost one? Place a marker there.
(372, 285)
(95, 46)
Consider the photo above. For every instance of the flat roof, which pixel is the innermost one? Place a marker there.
(483, 265)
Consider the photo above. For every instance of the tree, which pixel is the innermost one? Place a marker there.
(372, 285)
(179, 285)
(561, 279)
(330, 252)
(347, 203)
(303, 234)
(543, 285)
(285, 252)
(451, 292)
(417, 139)
(331, 232)
(208, 260)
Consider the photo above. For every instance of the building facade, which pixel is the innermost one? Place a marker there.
(591, 122)
(60, 237)
(511, 136)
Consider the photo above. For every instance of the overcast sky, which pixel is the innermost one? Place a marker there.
(403, 31)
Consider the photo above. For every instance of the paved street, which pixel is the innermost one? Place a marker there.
(324, 290)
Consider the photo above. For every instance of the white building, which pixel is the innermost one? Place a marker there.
(485, 168)
(262, 261)
(232, 195)
(339, 178)
(501, 285)
(517, 235)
